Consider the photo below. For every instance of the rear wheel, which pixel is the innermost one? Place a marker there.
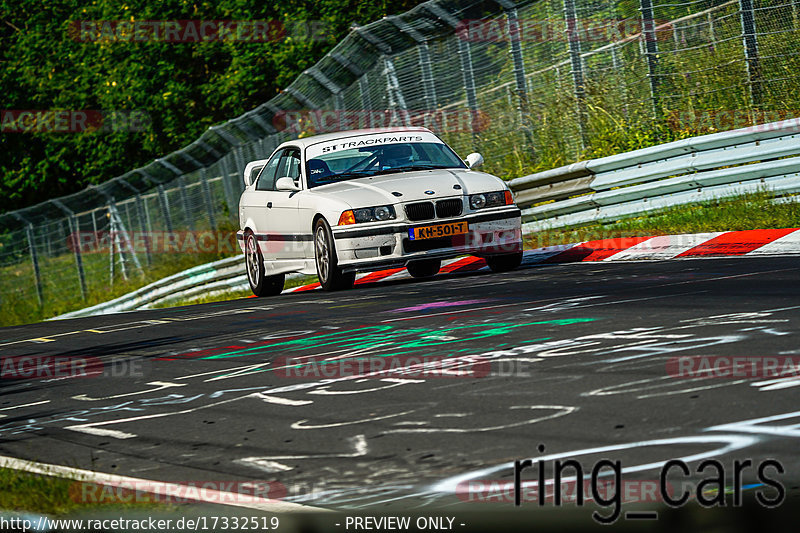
(331, 277)
(424, 268)
(260, 283)
(505, 262)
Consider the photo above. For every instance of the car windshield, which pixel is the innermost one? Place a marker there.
(383, 159)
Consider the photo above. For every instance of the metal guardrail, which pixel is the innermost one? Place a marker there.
(702, 168)
(172, 287)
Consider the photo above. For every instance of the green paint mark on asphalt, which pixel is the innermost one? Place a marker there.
(373, 336)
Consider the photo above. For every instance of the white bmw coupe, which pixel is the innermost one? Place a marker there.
(367, 200)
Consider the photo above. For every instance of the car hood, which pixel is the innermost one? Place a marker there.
(378, 190)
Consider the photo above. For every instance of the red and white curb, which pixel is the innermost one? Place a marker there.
(730, 243)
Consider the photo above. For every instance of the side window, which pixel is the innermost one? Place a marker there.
(266, 180)
(290, 164)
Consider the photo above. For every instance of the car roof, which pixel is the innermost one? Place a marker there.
(308, 141)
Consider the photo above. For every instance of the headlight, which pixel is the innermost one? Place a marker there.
(384, 212)
(368, 214)
(477, 201)
(490, 199)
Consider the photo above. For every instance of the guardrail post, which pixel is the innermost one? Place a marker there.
(469, 86)
(750, 42)
(576, 62)
(515, 48)
(651, 53)
(162, 199)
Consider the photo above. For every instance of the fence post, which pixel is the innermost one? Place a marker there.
(795, 10)
(207, 197)
(579, 87)
(651, 53)
(363, 94)
(233, 208)
(428, 86)
(394, 94)
(185, 203)
(140, 214)
(750, 42)
(515, 48)
(469, 85)
(115, 246)
(76, 248)
(35, 260)
(162, 199)
(712, 34)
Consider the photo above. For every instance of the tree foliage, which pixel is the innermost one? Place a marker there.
(183, 87)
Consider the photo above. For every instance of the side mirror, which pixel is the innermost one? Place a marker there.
(286, 184)
(250, 174)
(474, 160)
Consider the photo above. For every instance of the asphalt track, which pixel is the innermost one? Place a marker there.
(578, 357)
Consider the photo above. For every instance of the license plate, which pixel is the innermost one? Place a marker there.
(438, 230)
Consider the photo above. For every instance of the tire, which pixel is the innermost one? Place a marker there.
(424, 268)
(330, 276)
(260, 283)
(505, 262)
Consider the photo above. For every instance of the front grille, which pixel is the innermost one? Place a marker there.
(420, 211)
(449, 208)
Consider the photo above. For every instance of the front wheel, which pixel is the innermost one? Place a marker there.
(505, 262)
(260, 283)
(424, 268)
(331, 277)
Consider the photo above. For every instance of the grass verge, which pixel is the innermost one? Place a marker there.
(35, 493)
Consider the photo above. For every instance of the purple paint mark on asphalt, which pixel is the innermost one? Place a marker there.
(437, 305)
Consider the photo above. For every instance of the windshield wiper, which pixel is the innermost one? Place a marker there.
(406, 168)
(351, 174)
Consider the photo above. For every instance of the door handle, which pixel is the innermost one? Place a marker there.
(269, 204)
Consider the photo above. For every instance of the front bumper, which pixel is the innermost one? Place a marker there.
(491, 232)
